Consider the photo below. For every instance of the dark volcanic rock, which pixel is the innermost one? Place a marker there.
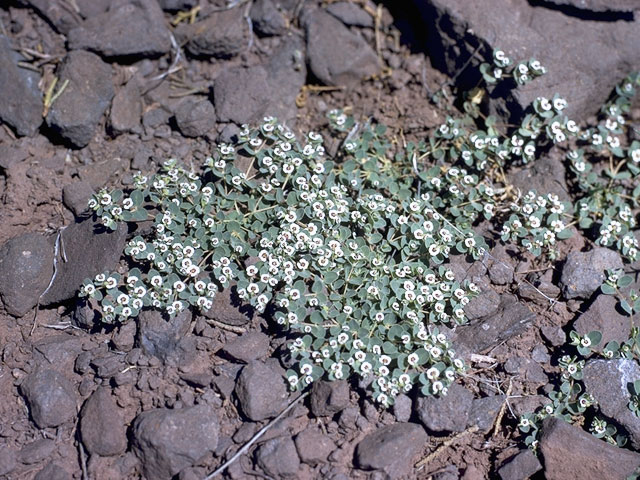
(512, 318)
(244, 95)
(336, 55)
(350, 14)
(90, 249)
(164, 337)
(128, 28)
(608, 381)
(261, 392)
(448, 413)
(584, 272)
(8, 460)
(51, 398)
(523, 31)
(102, 427)
(570, 452)
(248, 347)
(194, 118)
(278, 457)
(20, 98)
(76, 196)
(267, 18)
(78, 110)
(36, 451)
(53, 472)
(521, 466)
(26, 267)
(169, 440)
(126, 109)
(227, 308)
(329, 398)
(391, 449)
(603, 315)
(221, 34)
(313, 446)
(484, 411)
(60, 16)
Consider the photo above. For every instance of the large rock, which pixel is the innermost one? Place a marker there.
(603, 316)
(329, 398)
(126, 109)
(261, 392)
(584, 74)
(584, 272)
(169, 440)
(59, 15)
(244, 95)
(20, 98)
(221, 34)
(391, 449)
(248, 347)
(278, 457)
(570, 452)
(448, 413)
(194, 118)
(26, 267)
(608, 381)
(511, 319)
(336, 55)
(267, 18)
(90, 249)
(521, 466)
(50, 396)
(102, 426)
(128, 28)
(78, 110)
(165, 338)
(313, 446)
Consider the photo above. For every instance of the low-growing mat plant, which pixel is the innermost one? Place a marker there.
(350, 255)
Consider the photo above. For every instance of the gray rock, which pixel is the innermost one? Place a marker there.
(126, 109)
(20, 98)
(329, 398)
(194, 118)
(77, 112)
(391, 449)
(350, 14)
(511, 319)
(26, 267)
(608, 381)
(128, 28)
(545, 175)
(336, 55)
(600, 5)
(528, 31)
(248, 347)
(267, 19)
(220, 35)
(166, 441)
(554, 335)
(261, 392)
(540, 354)
(102, 427)
(90, 249)
(244, 95)
(570, 452)
(50, 396)
(36, 451)
(584, 272)
(278, 457)
(484, 411)
(313, 446)
(603, 315)
(448, 413)
(163, 337)
(56, 13)
(228, 308)
(402, 408)
(521, 466)
(76, 196)
(124, 338)
(53, 472)
(8, 460)
(485, 304)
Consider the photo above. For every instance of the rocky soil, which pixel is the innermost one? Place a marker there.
(94, 90)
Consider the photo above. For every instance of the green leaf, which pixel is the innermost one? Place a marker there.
(608, 289)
